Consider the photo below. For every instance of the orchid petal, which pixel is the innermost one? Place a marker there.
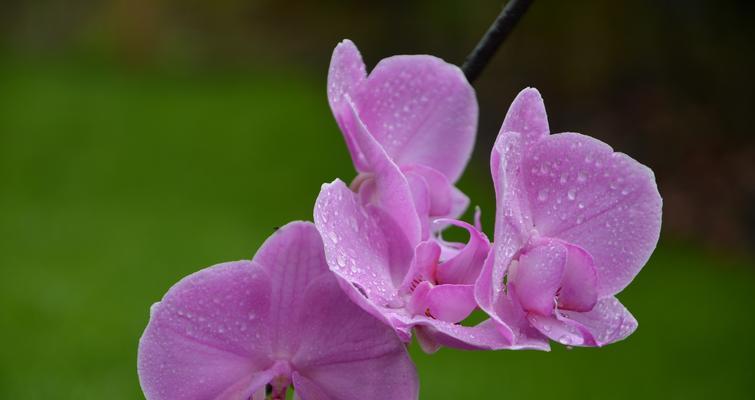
(512, 223)
(423, 266)
(512, 322)
(356, 247)
(392, 191)
(450, 303)
(347, 355)
(420, 190)
(346, 72)
(421, 110)
(483, 336)
(537, 276)
(465, 266)
(583, 193)
(527, 117)
(608, 322)
(459, 203)
(226, 331)
(562, 331)
(201, 342)
(578, 290)
(292, 258)
(426, 340)
(440, 190)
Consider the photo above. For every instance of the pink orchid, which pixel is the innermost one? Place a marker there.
(410, 126)
(575, 222)
(424, 285)
(421, 112)
(230, 330)
(376, 248)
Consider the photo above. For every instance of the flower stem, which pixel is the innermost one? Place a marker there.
(494, 37)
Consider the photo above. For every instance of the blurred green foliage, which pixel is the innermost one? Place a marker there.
(115, 183)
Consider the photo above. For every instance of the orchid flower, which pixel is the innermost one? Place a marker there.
(575, 222)
(386, 267)
(410, 128)
(421, 112)
(232, 330)
(405, 284)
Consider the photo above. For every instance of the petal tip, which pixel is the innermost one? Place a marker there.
(345, 45)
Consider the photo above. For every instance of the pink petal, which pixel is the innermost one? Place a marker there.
(356, 247)
(226, 331)
(527, 117)
(459, 203)
(293, 258)
(201, 341)
(440, 190)
(608, 322)
(422, 110)
(450, 303)
(582, 192)
(579, 285)
(512, 223)
(347, 71)
(426, 340)
(392, 192)
(537, 276)
(465, 266)
(423, 266)
(484, 336)
(512, 321)
(347, 354)
(422, 201)
(562, 331)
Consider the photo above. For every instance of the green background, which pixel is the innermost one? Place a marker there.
(117, 182)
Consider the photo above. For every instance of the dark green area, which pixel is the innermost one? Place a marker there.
(114, 184)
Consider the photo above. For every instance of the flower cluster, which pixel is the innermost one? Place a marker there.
(328, 307)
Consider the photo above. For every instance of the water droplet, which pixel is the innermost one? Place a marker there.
(333, 237)
(581, 177)
(542, 195)
(571, 194)
(341, 260)
(581, 205)
(562, 180)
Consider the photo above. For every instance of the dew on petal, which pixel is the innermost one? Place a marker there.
(542, 195)
(341, 260)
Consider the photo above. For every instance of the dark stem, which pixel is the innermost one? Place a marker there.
(496, 34)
